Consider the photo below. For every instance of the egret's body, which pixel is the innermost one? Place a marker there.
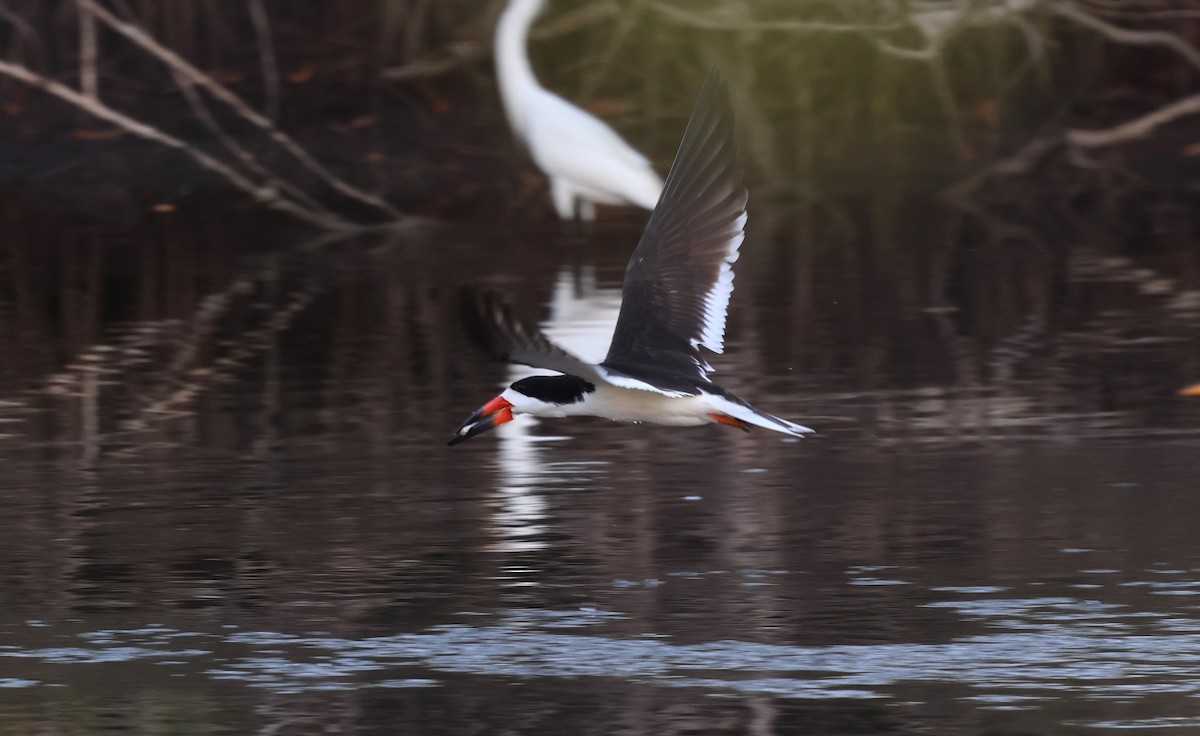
(587, 162)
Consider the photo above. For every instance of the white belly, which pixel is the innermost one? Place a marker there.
(634, 405)
(630, 405)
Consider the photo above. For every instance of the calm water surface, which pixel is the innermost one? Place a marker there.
(228, 507)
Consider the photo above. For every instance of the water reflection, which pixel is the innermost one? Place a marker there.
(582, 318)
(1031, 653)
(227, 503)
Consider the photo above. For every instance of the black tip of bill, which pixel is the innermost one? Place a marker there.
(475, 424)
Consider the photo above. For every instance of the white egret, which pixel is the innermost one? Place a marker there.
(587, 162)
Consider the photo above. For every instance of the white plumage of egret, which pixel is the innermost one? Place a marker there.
(587, 162)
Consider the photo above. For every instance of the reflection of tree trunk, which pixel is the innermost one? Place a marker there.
(79, 290)
(89, 404)
(268, 417)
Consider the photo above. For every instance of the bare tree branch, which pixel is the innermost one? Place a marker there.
(224, 94)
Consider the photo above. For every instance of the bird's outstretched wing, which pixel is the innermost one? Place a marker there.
(490, 321)
(679, 279)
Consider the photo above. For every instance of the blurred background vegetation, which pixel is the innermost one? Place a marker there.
(957, 192)
(832, 97)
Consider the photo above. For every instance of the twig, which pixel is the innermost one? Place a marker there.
(423, 68)
(265, 194)
(945, 95)
(415, 27)
(266, 59)
(1127, 36)
(626, 22)
(576, 20)
(246, 158)
(88, 81)
(925, 54)
(224, 94)
(24, 30)
(1125, 9)
(1021, 162)
(1136, 128)
(939, 22)
(461, 52)
(727, 23)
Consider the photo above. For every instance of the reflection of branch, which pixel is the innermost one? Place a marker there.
(197, 379)
(266, 194)
(181, 66)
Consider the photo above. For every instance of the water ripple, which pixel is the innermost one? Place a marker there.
(1037, 649)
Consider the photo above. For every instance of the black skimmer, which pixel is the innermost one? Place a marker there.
(587, 162)
(674, 301)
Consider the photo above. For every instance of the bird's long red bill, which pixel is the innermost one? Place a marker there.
(492, 414)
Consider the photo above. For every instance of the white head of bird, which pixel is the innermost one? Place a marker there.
(539, 396)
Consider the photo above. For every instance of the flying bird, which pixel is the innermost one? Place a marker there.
(674, 301)
(587, 162)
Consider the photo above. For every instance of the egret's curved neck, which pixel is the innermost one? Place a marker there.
(517, 83)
